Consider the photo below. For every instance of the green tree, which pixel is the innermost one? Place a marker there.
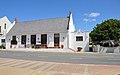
(107, 30)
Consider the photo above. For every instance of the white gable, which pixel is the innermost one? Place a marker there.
(5, 24)
(71, 25)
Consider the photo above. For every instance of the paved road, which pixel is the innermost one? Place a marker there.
(76, 58)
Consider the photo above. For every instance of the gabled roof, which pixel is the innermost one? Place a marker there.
(4, 20)
(54, 25)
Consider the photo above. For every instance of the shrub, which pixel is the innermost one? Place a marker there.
(79, 49)
(2, 47)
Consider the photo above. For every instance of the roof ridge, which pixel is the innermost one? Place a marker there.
(43, 19)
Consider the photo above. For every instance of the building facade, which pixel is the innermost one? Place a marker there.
(49, 33)
(5, 26)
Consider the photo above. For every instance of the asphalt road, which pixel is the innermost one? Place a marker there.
(76, 58)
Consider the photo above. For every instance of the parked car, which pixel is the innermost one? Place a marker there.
(109, 43)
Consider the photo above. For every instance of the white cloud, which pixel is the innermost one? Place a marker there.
(92, 14)
(89, 19)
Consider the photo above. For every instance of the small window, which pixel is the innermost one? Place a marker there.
(3, 40)
(5, 26)
(79, 38)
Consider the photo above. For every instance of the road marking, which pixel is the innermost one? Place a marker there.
(46, 67)
(28, 65)
(6, 62)
(35, 65)
(11, 63)
(19, 64)
(38, 66)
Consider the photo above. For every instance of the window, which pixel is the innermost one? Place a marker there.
(14, 37)
(23, 39)
(79, 38)
(3, 40)
(14, 41)
(5, 26)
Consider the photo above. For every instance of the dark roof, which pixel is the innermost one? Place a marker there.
(54, 25)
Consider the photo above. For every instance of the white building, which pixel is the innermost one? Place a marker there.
(48, 33)
(5, 26)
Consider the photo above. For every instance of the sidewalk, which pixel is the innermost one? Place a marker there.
(41, 50)
(27, 67)
(49, 50)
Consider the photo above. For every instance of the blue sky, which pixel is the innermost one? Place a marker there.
(86, 13)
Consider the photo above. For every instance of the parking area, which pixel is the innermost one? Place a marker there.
(27, 67)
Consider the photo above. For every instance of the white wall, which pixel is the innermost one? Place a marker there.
(8, 41)
(38, 38)
(73, 44)
(64, 39)
(4, 21)
(28, 39)
(50, 40)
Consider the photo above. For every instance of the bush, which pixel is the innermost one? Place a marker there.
(79, 49)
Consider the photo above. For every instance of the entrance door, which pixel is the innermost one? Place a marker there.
(43, 40)
(56, 40)
(33, 39)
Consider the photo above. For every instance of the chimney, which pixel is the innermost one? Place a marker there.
(16, 20)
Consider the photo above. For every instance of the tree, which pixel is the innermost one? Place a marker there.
(107, 30)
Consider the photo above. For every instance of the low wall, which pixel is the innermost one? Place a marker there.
(100, 49)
